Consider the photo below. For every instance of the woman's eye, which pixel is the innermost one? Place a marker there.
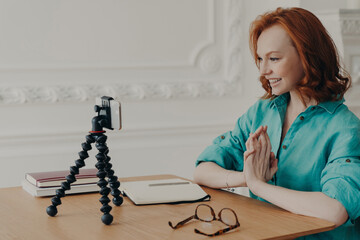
(259, 59)
(274, 59)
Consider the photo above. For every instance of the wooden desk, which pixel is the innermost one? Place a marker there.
(24, 217)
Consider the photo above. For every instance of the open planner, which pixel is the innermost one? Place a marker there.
(173, 190)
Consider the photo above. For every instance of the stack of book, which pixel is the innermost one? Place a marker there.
(41, 184)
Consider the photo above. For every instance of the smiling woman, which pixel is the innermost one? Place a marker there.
(299, 146)
(325, 79)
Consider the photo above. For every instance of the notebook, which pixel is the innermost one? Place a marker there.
(174, 190)
(51, 191)
(55, 178)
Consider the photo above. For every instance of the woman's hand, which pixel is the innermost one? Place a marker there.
(260, 163)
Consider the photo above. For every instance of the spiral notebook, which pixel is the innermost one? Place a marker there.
(173, 191)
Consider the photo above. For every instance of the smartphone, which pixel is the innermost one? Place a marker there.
(111, 109)
(115, 108)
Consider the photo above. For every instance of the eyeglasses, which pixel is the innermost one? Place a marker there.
(205, 213)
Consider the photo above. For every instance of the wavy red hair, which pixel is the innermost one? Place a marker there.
(325, 79)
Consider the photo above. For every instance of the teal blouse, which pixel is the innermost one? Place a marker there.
(320, 152)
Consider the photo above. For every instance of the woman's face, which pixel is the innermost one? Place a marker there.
(279, 61)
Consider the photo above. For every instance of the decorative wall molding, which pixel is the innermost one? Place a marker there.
(201, 50)
(139, 91)
(350, 26)
(350, 30)
(210, 63)
(349, 22)
(234, 41)
(214, 70)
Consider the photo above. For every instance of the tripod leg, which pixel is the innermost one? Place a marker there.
(74, 170)
(101, 157)
(114, 182)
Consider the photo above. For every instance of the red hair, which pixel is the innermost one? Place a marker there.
(325, 79)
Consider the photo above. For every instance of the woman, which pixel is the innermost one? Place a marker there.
(299, 146)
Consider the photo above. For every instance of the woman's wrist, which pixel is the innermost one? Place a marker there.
(235, 179)
(255, 185)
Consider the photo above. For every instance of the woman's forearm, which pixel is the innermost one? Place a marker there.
(315, 204)
(212, 175)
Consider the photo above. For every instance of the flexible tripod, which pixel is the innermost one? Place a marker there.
(103, 165)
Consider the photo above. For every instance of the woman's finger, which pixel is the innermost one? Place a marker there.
(263, 145)
(268, 147)
(274, 167)
(258, 131)
(247, 144)
(272, 158)
(265, 128)
(256, 144)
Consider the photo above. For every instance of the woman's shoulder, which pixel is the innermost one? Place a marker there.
(261, 105)
(343, 119)
(344, 114)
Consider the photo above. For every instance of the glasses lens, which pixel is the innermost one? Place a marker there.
(204, 213)
(227, 217)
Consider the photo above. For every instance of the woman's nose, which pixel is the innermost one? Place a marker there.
(264, 69)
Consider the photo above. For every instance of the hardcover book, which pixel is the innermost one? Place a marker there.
(51, 191)
(55, 178)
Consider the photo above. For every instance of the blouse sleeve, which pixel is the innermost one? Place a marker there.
(227, 149)
(340, 179)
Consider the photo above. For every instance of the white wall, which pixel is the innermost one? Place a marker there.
(182, 70)
(175, 66)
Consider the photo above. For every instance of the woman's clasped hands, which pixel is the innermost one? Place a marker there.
(260, 163)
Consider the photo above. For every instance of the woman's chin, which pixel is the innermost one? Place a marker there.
(276, 92)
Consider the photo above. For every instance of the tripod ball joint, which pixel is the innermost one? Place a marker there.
(107, 218)
(51, 210)
(118, 200)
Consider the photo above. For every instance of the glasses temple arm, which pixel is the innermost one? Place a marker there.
(181, 223)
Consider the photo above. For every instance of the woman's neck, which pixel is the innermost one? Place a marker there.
(298, 104)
